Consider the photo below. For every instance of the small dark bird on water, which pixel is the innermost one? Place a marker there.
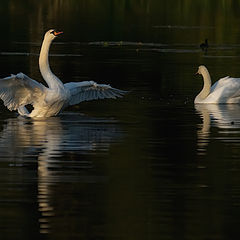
(204, 46)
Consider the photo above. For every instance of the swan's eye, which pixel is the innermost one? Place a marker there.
(52, 32)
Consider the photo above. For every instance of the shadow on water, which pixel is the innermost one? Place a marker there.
(25, 142)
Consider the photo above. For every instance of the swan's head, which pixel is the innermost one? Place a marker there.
(201, 70)
(51, 34)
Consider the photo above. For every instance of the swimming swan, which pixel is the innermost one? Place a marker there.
(225, 90)
(19, 90)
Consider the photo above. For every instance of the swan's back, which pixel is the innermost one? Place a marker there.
(226, 90)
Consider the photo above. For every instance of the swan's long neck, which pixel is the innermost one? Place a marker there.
(207, 84)
(51, 79)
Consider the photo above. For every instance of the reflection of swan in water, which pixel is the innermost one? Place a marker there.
(71, 132)
(222, 116)
(47, 141)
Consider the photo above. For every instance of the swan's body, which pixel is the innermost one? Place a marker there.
(225, 90)
(19, 90)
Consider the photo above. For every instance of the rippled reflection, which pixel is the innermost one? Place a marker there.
(47, 140)
(224, 117)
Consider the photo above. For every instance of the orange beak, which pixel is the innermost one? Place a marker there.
(56, 33)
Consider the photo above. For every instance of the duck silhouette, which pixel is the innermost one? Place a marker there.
(204, 46)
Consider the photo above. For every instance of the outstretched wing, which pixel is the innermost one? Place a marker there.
(17, 90)
(89, 90)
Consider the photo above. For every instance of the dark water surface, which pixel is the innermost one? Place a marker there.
(148, 166)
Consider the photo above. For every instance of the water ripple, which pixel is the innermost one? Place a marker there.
(36, 54)
(55, 145)
(225, 118)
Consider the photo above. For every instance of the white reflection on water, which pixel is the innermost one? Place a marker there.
(224, 117)
(47, 140)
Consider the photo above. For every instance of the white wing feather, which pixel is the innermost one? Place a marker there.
(226, 90)
(18, 90)
(90, 90)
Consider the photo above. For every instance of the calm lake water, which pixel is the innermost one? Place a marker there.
(148, 166)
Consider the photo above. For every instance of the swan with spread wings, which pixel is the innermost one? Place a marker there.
(18, 91)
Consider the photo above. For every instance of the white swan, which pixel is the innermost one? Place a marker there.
(19, 90)
(225, 90)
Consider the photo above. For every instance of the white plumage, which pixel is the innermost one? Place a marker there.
(19, 90)
(89, 90)
(225, 90)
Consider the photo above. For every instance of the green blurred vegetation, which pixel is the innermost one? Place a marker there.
(121, 19)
